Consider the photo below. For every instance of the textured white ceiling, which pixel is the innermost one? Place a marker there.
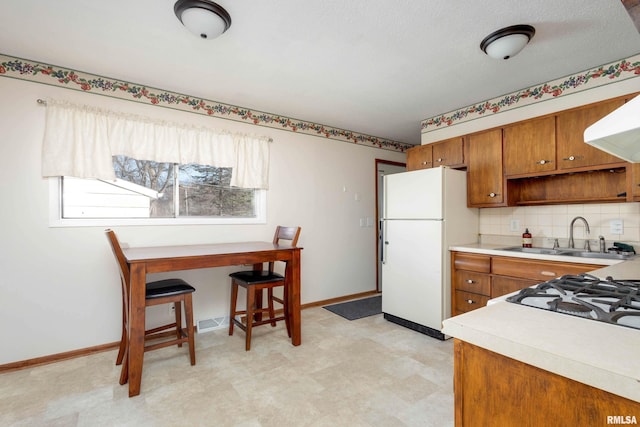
(373, 66)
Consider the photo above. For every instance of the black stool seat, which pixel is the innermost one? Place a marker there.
(168, 287)
(257, 276)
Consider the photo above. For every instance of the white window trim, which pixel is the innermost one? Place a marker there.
(56, 220)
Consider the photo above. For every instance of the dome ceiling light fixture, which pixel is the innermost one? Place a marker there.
(507, 42)
(202, 17)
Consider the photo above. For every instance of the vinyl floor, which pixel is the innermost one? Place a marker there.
(365, 372)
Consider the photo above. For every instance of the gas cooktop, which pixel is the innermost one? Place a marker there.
(609, 300)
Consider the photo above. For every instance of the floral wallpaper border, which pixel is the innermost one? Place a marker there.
(599, 76)
(37, 72)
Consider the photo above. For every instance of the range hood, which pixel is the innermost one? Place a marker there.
(618, 133)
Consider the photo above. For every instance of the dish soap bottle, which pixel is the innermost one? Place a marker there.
(527, 240)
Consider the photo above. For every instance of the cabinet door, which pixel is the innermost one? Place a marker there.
(530, 147)
(635, 181)
(419, 157)
(505, 285)
(571, 148)
(485, 183)
(449, 152)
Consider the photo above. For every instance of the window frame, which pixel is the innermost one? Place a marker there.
(56, 219)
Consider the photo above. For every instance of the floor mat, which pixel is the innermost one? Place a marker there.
(357, 309)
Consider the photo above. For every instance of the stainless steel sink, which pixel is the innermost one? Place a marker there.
(601, 255)
(568, 252)
(543, 251)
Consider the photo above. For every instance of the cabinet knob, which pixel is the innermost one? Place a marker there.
(572, 158)
(470, 301)
(492, 195)
(543, 162)
(469, 281)
(440, 159)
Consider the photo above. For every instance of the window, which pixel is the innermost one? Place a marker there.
(148, 192)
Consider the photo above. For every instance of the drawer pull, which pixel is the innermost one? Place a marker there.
(543, 162)
(470, 301)
(469, 281)
(572, 158)
(492, 195)
(548, 273)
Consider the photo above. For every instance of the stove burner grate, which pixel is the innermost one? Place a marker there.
(610, 301)
(568, 307)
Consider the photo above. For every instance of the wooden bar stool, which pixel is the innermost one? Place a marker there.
(254, 281)
(175, 291)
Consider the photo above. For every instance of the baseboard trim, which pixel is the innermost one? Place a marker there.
(53, 358)
(45, 360)
(339, 299)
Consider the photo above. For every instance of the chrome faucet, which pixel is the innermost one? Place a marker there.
(586, 226)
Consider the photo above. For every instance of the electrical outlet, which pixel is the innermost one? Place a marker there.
(172, 310)
(514, 225)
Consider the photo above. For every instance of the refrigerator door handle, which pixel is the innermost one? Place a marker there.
(383, 252)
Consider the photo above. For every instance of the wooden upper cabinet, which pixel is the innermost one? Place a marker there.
(634, 181)
(530, 147)
(419, 157)
(572, 151)
(485, 183)
(449, 152)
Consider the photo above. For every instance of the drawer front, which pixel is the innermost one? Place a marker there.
(472, 262)
(540, 271)
(467, 301)
(478, 283)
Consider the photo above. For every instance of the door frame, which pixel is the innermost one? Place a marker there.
(380, 162)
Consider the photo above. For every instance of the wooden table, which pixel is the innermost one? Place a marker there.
(145, 260)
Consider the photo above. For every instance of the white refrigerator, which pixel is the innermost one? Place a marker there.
(424, 213)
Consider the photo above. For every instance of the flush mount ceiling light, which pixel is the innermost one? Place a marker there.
(202, 17)
(507, 42)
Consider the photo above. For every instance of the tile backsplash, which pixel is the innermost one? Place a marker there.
(546, 223)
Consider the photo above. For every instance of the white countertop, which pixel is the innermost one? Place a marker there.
(591, 352)
(594, 353)
(494, 249)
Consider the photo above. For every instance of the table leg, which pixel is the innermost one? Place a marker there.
(137, 311)
(293, 300)
(258, 296)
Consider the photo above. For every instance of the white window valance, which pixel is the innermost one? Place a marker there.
(80, 141)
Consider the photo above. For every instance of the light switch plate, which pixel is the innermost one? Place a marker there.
(616, 226)
(514, 225)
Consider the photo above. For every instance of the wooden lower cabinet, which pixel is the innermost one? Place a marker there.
(468, 301)
(501, 285)
(471, 282)
(494, 390)
(533, 269)
(476, 278)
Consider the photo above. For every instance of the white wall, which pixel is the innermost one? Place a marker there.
(59, 287)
